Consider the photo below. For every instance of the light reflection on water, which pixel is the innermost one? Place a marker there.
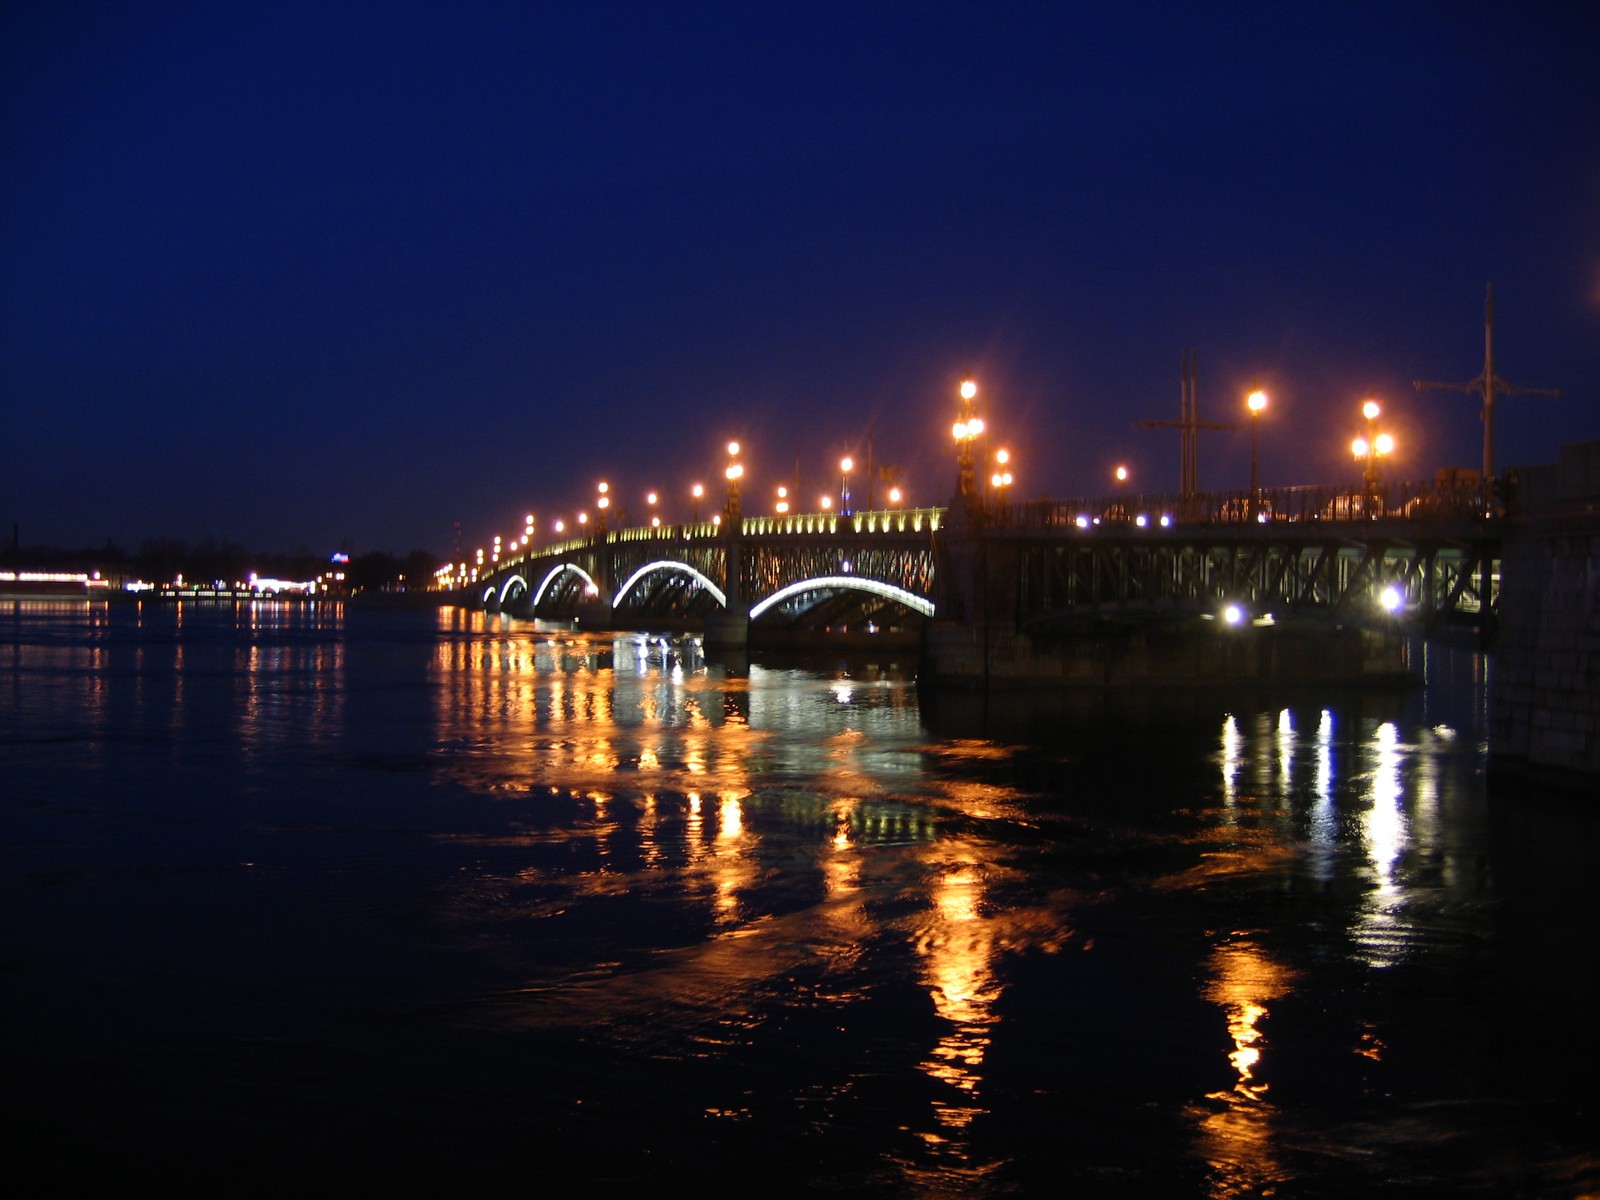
(1072, 949)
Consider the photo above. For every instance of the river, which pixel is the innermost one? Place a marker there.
(300, 893)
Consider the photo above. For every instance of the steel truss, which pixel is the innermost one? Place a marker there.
(1442, 584)
(767, 565)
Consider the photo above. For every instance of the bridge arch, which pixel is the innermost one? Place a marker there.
(512, 582)
(556, 572)
(665, 564)
(855, 583)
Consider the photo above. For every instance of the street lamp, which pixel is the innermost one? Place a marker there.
(846, 464)
(1369, 448)
(1119, 511)
(1001, 478)
(734, 473)
(965, 431)
(896, 496)
(1255, 402)
(602, 502)
(782, 506)
(697, 491)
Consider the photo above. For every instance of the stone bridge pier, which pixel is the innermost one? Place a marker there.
(1544, 679)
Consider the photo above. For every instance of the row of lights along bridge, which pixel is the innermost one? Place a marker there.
(968, 430)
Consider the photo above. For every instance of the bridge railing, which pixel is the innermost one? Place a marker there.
(1398, 501)
(886, 520)
(877, 521)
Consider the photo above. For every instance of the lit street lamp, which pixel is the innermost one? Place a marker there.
(1369, 449)
(697, 491)
(965, 431)
(1001, 478)
(846, 464)
(602, 502)
(734, 473)
(782, 506)
(1255, 402)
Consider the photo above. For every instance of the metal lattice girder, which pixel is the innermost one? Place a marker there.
(669, 592)
(826, 607)
(1333, 578)
(703, 555)
(563, 594)
(769, 565)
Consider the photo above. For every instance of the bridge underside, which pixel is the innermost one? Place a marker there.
(838, 612)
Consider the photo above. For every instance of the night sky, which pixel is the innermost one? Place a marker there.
(336, 274)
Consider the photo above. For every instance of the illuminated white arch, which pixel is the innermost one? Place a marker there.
(505, 589)
(666, 564)
(556, 571)
(853, 583)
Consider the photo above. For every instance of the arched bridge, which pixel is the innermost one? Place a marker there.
(863, 571)
(1413, 560)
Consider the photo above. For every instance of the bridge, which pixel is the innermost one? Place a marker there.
(1406, 559)
(1277, 585)
(861, 573)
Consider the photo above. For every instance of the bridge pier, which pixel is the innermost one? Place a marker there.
(1177, 652)
(728, 628)
(1544, 682)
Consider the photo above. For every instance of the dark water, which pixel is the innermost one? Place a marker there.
(423, 900)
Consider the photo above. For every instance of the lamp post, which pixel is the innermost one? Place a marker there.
(1256, 401)
(696, 492)
(733, 473)
(1001, 478)
(602, 502)
(965, 431)
(782, 505)
(846, 464)
(1369, 449)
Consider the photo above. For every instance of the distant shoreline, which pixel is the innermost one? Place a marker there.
(400, 600)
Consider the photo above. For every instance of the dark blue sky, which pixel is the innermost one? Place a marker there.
(309, 274)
